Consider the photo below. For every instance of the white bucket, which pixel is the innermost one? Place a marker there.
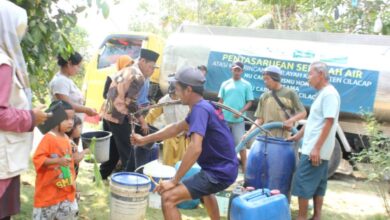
(102, 144)
(129, 196)
(157, 171)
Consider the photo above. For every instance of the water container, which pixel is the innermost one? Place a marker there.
(239, 190)
(129, 196)
(102, 146)
(145, 154)
(157, 171)
(190, 204)
(260, 205)
(148, 152)
(271, 163)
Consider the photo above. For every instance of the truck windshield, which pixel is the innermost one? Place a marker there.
(115, 47)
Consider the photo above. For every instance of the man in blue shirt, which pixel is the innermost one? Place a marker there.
(143, 100)
(211, 145)
(310, 179)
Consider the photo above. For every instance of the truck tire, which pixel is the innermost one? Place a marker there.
(335, 159)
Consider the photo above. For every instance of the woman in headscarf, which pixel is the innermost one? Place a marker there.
(122, 62)
(17, 120)
(107, 167)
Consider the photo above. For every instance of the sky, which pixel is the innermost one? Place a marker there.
(98, 27)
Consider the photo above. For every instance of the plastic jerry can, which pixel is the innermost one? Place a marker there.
(260, 205)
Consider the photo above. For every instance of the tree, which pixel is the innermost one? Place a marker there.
(50, 23)
(172, 13)
(377, 156)
(331, 16)
(305, 15)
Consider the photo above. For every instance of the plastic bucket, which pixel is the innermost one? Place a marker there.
(129, 196)
(102, 146)
(158, 172)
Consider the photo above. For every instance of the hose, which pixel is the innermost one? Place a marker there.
(178, 102)
(256, 131)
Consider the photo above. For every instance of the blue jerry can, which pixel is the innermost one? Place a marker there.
(260, 205)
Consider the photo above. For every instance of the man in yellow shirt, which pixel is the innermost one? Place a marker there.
(173, 148)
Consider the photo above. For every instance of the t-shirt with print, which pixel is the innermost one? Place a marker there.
(218, 158)
(270, 111)
(235, 94)
(326, 105)
(50, 185)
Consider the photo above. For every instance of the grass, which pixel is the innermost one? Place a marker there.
(347, 198)
(94, 203)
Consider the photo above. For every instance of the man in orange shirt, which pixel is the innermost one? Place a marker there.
(55, 188)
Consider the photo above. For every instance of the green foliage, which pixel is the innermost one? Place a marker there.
(340, 16)
(172, 13)
(305, 15)
(51, 31)
(378, 157)
(283, 2)
(330, 16)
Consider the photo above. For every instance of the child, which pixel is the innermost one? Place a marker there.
(74, 135)
(55, 189)
(173, 148)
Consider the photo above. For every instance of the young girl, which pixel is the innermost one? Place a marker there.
(74, 135)
(55, 188)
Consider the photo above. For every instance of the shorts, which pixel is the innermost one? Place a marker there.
(202, 184)
(64, 210)
(310, 180)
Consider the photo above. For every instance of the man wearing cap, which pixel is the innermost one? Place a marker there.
(122, 99)
(237, 94)
(211, 145)
(269, 110)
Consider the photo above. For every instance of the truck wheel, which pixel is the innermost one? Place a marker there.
(335, 159)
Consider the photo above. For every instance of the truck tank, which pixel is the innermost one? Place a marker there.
(358, 64)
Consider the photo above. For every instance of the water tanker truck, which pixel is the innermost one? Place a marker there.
(358, 66)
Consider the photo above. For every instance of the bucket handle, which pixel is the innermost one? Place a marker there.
(155, 183)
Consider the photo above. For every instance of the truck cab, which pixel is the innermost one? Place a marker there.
(103, 62)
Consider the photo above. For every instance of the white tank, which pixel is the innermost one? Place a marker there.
(368, 89)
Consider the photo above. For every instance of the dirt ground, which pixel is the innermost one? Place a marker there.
(347, 198)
